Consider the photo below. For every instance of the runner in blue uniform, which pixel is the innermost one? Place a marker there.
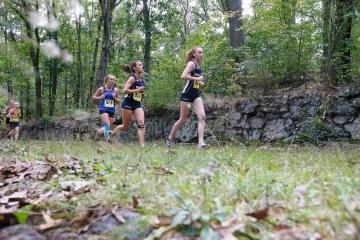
(108, 96)
(131, 105)
(190, 96)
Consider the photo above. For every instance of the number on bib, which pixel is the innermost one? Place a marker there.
(137, 96)
(109, 103)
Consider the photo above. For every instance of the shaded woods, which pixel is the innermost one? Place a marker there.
(56, 53)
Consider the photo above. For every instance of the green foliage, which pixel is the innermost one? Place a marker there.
(283, 45)
(311, 130)
(23, 214)
(45, 120)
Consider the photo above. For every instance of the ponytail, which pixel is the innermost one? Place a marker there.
(126, 68)
(189, 54)
(129, 68)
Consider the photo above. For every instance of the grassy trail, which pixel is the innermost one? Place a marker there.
(308, 191)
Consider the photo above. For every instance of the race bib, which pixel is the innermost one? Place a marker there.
(137, 96)
(109, 103)
(196, 84)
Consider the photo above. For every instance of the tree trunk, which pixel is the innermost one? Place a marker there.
(78, 85)
(34, 52)
(148, 32)
(8, 77)
(35, 57)
(107, 8)
(343, 24)
(326, 40)
(93, 65)
(54, 72)
(236, 32)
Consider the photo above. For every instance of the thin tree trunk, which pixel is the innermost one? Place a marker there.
(326, 40)
(34, 52)
(77, 90)
(8, 79)
(148, 33)
(107, 8)
(93, 65)
(53, 71)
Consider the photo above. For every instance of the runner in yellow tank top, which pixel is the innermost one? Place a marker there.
(14, 115)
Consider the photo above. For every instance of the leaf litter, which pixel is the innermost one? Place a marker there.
(65, 179)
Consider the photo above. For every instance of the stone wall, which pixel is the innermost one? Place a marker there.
(303, 116)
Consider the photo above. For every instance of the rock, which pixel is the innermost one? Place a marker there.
(127, 215)
(274, 104)
(354, 129)
(348, 91)
(335, 132)
(256, 122)
(355, 103)
(107, 223)
(136, 229)
(252, 134)
(312, 110)
(234, 119)
(265, 118)
(341, 106)
(247, 106)
(341, 119)
(20, 232)
(276, 129)
(296, 111)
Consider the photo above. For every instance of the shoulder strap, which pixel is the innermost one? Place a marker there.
(195, 63)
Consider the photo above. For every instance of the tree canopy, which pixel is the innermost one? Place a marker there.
(56, 53)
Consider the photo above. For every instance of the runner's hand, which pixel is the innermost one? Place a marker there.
(102, 96)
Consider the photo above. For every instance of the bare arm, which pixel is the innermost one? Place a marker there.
(186, 75)
(128, 84)
(116, 95)
(11, 113)
(98, 94)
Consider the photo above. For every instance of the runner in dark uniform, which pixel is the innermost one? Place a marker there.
(108, 96)
(190, 96)
(131, 105)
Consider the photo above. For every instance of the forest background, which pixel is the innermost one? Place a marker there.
(54, 54)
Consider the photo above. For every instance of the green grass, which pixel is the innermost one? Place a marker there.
(316, 188)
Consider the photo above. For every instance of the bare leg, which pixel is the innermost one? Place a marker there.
(126, 119)
(11, 134)
(8, 131)
(104, 119)
(184, 115)
(140, 121)
(200, 112)
(17, 130)
(111, 122)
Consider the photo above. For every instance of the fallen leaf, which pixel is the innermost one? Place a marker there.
(260, 215)
(117, 215)
(49, 223)
(157, 222)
